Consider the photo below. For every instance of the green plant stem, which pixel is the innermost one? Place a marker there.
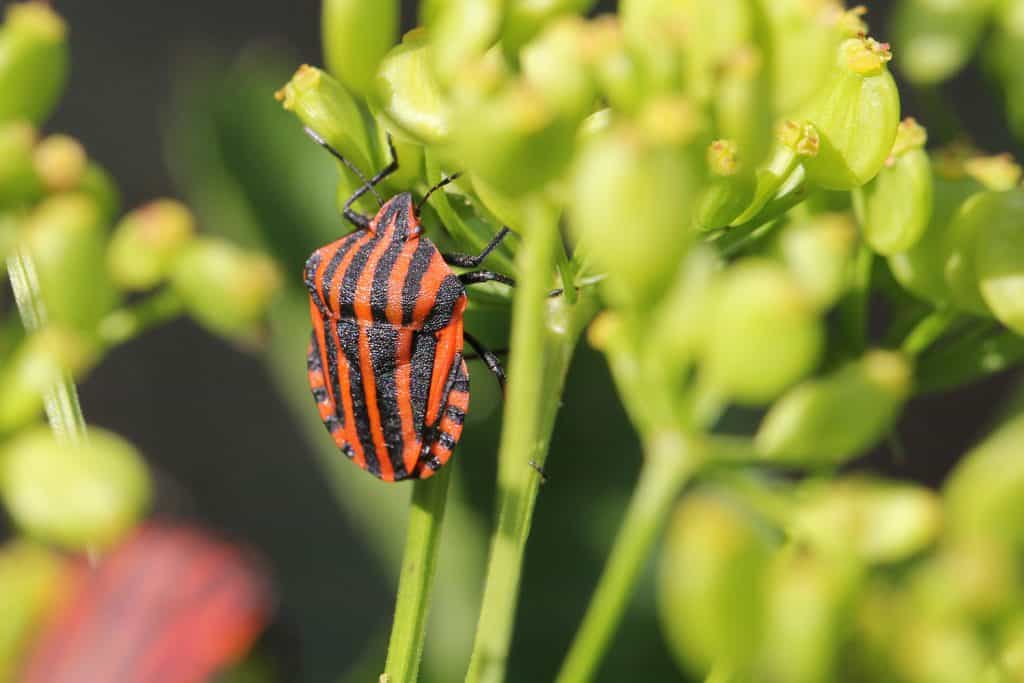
(124, 324)
(927, 331)
(853, 309)
(423, 539)
(671, 460)
(544, 332)
(60, 401)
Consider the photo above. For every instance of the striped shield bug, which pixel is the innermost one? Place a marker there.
(385, 360)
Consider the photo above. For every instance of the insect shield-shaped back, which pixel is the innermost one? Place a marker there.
(385, 358)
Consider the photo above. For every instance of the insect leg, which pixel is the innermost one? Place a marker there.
(470, 261)
(356, 218)
(488, 357)
(476, 277)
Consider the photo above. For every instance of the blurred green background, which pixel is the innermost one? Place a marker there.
(176, 99)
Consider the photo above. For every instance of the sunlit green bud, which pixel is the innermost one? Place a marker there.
(983, 493)
(99, 185)
(803, 43)
(19, 183)
(740, 96)
(796, 141)
(807, 612)
(995, 219)
(227, 289)
(631, 206)
(67, 240)
(614, 68)
(38, 364)
(680, 318)
(33, 61)
(524, 19)
(897, 203)
(326, 107)
(554, 65)
(731, 188)
(1012, 656)
(998, 172)
(818, 252)
(146, 243)
(513, 131)
(60, 162)
(856, 114)
(356, 35)
(461, 31)
(29, 583)
(971, 578)
(711, 582)
(763, 334)
(407, 93)
(825, 421)
(77, 495)
(866, 520)
(656, 32)
(937, 37)
(939, 651)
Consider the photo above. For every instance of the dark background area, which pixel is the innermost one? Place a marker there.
(224, 445)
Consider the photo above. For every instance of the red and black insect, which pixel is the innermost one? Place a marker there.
(386, 363)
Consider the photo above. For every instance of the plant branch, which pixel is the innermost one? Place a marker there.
(671, 461)
(423, 539)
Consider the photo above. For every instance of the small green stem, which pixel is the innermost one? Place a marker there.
(423, 538)
(544, 332)
(670, 463)
(127, 323)
(854, 307)
(60, 401)
(927, 331)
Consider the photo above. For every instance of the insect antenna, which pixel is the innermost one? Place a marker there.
(441, 183)
(367, 185)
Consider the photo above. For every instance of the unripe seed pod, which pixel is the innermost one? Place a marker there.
(896, 205)
(524, 19)
(762, 335)
(731, 188)
(856, 114)
(356, 35)
(972, 578)
(824, 422)
(67, 240)
(614, 68)
(146, 242)
(19, 183)
(937, 39)
(33, 61)
(61, 162)
(407, 94)
(30, 582)
(656, 32)
(461, 31)
(554, 64)
(228, 290)
(711, 582)
(818, 252)
(98, 184)
(999, 253)
(77, 495)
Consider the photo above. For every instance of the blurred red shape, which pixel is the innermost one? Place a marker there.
(168, 605)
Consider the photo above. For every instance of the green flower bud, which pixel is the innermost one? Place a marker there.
(999, 253)
(972, 578)
(740, 96)
(856, 114)
(818, 252)
(896, 205)
(29, 581)
(515, 130)
(681, 316)
(98, 184)
(711, 582)
(356, 35)
(461, 31)
(803, 40)
(326, 107)
(41, 361)
(407, 93)
(731, 189)
(228, 290)
(525, 19)
(77, 495)
(554, 65)
(33, 61)
(60, 162)
(871, 522)
(937, 38)
(984, 491)
(1012, 655)
(763, 334)
(808, 609)
(614, 68)
(66, 238)
(939, 651)
(146, 242)
(632, 198)
(19, 183)
(656, 32)
(826, 421)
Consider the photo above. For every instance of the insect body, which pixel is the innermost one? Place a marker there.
(385, 360)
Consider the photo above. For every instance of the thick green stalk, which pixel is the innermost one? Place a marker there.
(927, 332)
(671, 460)
(544, 331)
(60, 401)
(423, 539)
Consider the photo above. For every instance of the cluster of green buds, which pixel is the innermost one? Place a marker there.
(84, 277)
